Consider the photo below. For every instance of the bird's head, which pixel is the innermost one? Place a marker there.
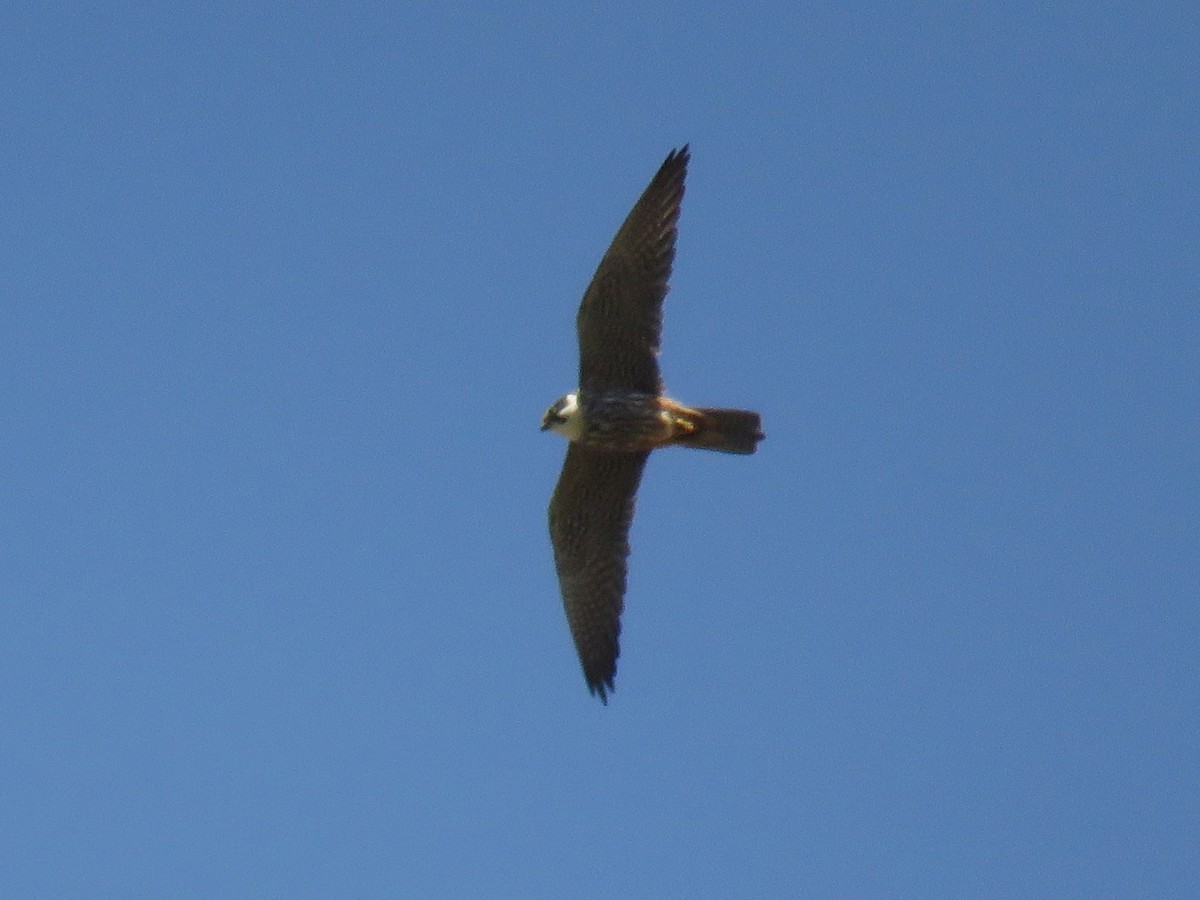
(564, 417)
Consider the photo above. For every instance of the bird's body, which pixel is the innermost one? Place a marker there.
(617, 417)
(629, 422)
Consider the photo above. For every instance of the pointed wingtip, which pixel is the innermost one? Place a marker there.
(601, 688)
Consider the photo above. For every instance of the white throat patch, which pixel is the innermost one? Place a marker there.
(572, 427)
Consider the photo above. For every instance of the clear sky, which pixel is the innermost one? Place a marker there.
(285, 289)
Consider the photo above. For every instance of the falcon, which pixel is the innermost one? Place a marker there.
(617, 416)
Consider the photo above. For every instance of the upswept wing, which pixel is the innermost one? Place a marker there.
(620, 318)
(590, 514)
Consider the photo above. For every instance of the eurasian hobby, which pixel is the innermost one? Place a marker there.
(617, 416)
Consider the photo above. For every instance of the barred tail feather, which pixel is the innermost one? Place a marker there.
(725, 430)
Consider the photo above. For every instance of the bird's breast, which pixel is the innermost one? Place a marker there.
(624, 422)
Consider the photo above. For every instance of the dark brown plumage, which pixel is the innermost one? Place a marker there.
(590, 514)
(620, 318)
(617, 417)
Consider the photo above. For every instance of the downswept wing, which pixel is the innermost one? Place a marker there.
(590, 514)
(620, 317)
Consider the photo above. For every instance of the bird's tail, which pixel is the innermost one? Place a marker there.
(724, 430)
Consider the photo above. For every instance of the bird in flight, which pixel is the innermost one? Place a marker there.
(617, 416)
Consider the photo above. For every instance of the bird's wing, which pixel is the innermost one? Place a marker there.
(590, 514)
(620, 318)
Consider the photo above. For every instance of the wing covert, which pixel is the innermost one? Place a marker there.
(590, 514)
(620, 317)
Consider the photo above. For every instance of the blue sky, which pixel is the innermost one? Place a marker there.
(286, 289)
